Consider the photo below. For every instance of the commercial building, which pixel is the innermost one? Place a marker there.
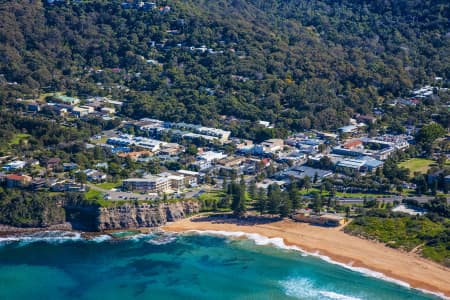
(270, 146)
(350, 166)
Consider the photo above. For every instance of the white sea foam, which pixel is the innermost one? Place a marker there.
(138, 236)
(163, 239)
(333, 295)
(101, 238)
(279, 243)
(55, 237)
(303, 288)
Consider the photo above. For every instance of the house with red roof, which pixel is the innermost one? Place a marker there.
(15, 180)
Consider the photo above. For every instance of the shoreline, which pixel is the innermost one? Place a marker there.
(340, 248)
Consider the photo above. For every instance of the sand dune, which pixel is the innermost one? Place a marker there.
(341, 247)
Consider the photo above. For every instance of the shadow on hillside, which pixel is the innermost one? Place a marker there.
(230, 219)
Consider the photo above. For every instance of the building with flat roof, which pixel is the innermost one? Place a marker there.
(270, 146)
(348, 129)
(177, 182)
(301, 172)
(350, 166)
(14, 165)
(154, 184)
(68, 100)
(211, 156)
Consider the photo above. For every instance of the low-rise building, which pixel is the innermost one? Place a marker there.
(348, 129)
(171, 149)
(95, 175)
(191, 178)
(14, 180)
(108, 110)
(350, 166)
(53, 163)
(176, 181)
(82, 111)
(231, 161)
(14, 165)
(149, 184)
(270, 146)
(301, 172)
(67, 167)
(34, 107)
(68, 100)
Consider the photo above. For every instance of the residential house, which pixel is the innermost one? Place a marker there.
(349, 129)
(171, 149)
(95, 176)
(365, 119)
(53, 163)
(108, 110)
(38, 183)
(34, 107)
(67, 167)
(14, 180)
(14, 165)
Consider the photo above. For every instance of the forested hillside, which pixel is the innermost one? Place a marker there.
(301, 64)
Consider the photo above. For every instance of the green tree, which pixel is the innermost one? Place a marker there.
(252, 189)
(294, 196)
(285, 205)
(273, 199)
(428, 134)
(261, 201)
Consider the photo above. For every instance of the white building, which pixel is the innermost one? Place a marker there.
(14, 165)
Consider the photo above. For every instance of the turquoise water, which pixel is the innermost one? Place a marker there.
(62, 266)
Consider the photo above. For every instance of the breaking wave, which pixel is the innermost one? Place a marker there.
(303, 288)
(54, 237)
(278, 242)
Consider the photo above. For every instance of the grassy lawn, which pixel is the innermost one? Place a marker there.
(417, 165)
(45, 95)
(212, 196)
(360, 195)
(18, 137)
(109, 185)
(93, 195)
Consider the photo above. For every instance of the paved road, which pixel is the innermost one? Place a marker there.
(420, 199)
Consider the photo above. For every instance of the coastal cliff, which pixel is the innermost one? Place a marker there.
(127, 215)
(144, 215)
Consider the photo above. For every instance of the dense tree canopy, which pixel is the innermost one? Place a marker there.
(300, 64)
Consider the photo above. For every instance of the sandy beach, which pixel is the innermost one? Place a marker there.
(332, 242)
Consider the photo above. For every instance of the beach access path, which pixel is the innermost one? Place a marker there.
(337, 245)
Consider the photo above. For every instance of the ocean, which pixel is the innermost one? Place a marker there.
(64, 265)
